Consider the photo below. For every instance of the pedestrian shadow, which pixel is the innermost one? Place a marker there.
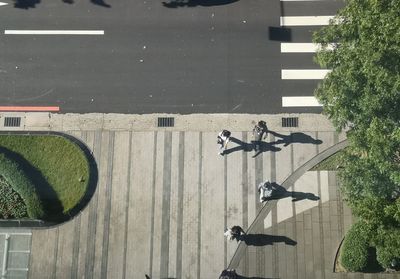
(195, 3)
(280, 192)
(294, 138)
(25, 4)
(265, 239)
(248, 147)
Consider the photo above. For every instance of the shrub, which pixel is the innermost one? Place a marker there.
(388, 246)
(20, 182)
(11, 204)
(354, 254)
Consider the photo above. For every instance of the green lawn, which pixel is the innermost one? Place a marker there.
(329, 164)
(58, 162)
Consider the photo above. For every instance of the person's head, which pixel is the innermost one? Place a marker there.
(262, 123)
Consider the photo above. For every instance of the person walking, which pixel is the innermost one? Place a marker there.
(234, 233)
(237, 232)
(265, 189)
(223, 139)
(259, 133)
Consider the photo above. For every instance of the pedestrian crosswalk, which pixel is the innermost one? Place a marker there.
(300, 75)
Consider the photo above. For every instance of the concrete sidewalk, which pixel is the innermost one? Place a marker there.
(165, 197)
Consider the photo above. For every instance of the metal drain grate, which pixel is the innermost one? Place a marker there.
(12, 121)
(166, 122)
(290, 122)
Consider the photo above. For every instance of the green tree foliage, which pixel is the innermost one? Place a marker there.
(365, 80)
(21, 183)
(11, 204)
(362, 95)
(387, 246)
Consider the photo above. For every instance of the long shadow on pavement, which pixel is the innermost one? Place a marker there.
(280, 192)
(294, 138)
(265, 239)
(248, 147)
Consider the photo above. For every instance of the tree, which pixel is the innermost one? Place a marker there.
(365, 80)
(362, 93)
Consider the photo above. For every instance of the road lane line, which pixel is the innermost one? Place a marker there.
(28, 108)
(300, 102)
(304, 74)
(305, 20)
(54, 32)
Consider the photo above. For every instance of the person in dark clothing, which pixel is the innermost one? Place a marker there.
(259, 133)
(228, 274)
(237, 231)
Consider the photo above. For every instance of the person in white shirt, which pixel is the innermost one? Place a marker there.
(223, 139)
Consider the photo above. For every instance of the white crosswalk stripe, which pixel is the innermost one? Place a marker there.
(303, 73)
(301, 47)
(305, 20)
(300, 101)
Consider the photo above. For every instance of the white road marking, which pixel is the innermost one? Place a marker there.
(304, 74)
(54, 32)
(300, 102)
(3, 4)
(302, 47)
(305, 20)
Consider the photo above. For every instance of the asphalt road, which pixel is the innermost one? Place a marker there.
(208, 56)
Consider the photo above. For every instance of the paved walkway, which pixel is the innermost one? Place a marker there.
(165, 197)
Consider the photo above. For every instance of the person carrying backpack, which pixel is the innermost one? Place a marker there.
(259, 133)
(223, 139)
(265, 189)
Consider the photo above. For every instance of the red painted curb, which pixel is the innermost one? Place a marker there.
(27, 108)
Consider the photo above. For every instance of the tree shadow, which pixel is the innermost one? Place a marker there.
(281, 34)
(52, 205)
(25, 4)
(280, 192)
(248, 147)
(195, 3)
(265, 239)
(101, 3)
(294, 138)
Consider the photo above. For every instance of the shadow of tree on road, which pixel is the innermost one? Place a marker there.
(25, 4)
(195, 3)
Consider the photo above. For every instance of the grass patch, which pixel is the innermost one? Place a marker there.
(58, 162)
(12, 205)
(329, 164)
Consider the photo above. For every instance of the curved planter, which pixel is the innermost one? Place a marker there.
(91, 188)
